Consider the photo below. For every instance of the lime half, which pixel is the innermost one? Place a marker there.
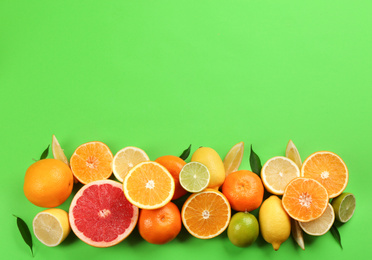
(194, 177)
(344, 206)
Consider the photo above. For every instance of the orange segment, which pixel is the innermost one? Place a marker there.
(329, 169)
(149, 185)
(206, 214)
(305, 199)
(91, 162)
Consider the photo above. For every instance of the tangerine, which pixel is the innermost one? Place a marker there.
(244, 190)
(48, 183)
(160, 226)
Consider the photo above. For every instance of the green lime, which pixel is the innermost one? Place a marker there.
(344, 206)
(243, 229)
(194, 177)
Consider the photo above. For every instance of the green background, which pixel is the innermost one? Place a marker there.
(161, 75)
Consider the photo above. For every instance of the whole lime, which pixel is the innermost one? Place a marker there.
(243, 229)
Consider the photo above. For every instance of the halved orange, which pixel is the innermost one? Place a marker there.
(148, 185)
(305, 199)
(329, 169)
(206, 214)
(92, 161)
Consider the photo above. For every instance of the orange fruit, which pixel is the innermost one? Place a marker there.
(233, 158)
(329, 169)
(244, 190)
(206, 214)
(48, 183)
(174, 165)
(92, 161)
(305, 199)
(148, 185)
(160, 226)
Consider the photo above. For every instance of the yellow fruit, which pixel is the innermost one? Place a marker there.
(275, 224)
(212, 160)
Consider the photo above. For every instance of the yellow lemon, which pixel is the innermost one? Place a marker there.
(213, 161)
(275, 224)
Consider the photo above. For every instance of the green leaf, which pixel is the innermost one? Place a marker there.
(45, 153)
(255, 162)
(25, 232)
(185, 153)
(336, 234)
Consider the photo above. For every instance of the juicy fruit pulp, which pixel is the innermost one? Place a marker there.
(233, 158)
(321, 225)
(344, 206)
(243, 229)
(100, 215)
(275, 224)
(194, 177)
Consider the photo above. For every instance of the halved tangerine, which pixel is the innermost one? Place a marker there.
(305, 199)
(329, 169)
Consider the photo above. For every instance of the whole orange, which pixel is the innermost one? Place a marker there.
(244, 190)
(160, 226)
(174, 165)
(48, 183)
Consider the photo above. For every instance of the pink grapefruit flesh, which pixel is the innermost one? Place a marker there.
(100, 215)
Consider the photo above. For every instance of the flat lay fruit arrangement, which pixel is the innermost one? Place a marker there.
(120, 192)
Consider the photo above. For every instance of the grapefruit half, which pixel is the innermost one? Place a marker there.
(100, 215)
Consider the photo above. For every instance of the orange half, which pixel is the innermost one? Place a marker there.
(148, 185)
(305, 199)
(329, 169)
(92, 162)
(206, 214)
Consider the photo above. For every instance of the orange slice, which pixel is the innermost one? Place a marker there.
(327, 168)
(125, 159)
(91, 162)
(148, 185)
(305, 199)
(233, 158)
(277, 172)
(206, 214)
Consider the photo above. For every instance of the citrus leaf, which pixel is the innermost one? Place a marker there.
(25, 232)
(45, 153)
(185, 153)
(255, 162)
(336, 234)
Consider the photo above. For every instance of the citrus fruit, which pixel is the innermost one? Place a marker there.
(194, 177)
(305, 199)
(51, 226)
(244, 190)
(48, 183)
(329, 169)
(174, 165)
(160, 226)
(292, 153)
(206, 214)
(321, 225)
(275, 224)
(233, 158)
(277, 172)
(149, 185)
(243, 229)
(100, 215)
(344, 206)
(297, 233)
(58, 151)
(125, 159)
(91, 161)
(212, 160)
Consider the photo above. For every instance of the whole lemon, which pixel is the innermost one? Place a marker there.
(275, 224)
(48, 183)
(243, 229)
(213, 162)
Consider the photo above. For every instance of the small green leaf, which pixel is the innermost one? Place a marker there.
(185, 153)
(45, 153)
(255, 162)
(336, 234)
(25, 232)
